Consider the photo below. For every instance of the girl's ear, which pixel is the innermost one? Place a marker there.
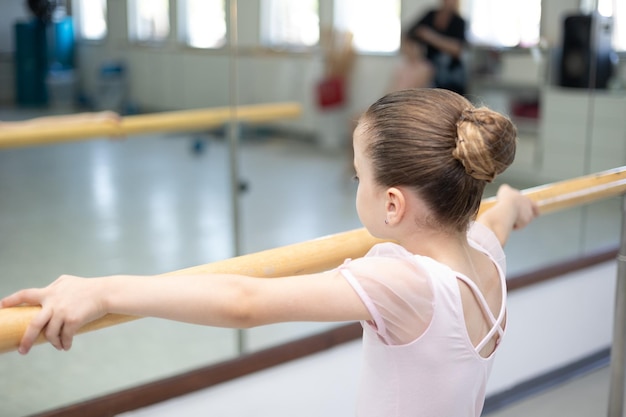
(395, 206)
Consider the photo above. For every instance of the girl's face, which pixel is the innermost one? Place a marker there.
(370, 201)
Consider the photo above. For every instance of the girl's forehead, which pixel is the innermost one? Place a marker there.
(358, 143)
(359, 134)
(361, 160)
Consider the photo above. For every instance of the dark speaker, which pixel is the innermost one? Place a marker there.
(31, 63)
(586, 55)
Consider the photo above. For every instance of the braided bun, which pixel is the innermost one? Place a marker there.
(485, 143)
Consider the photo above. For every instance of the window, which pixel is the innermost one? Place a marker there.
(148, 20)
(92, 24)
(618, 11)
(356, 17)
(203, 23)
(503, 23)
(290, 23)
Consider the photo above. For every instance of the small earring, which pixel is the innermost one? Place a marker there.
(386, 221)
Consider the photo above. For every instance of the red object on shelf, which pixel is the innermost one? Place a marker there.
(331, 92)
(529, 110)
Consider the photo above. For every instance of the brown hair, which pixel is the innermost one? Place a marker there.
(436, 142)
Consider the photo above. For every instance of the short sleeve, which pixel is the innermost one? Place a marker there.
(395, 289)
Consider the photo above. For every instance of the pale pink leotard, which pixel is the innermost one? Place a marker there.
(418, 359)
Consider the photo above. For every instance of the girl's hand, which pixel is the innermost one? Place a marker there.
(67, 305)
(512, 211)
(525, 208)
(111, 119)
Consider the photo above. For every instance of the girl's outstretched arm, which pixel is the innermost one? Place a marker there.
(216, 300)
(512, 211)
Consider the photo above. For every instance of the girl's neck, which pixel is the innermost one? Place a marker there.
(451, 249)
(435, 244)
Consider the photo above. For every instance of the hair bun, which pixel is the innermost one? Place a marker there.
(485, 143)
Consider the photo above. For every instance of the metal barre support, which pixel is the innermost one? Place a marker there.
(618, 347)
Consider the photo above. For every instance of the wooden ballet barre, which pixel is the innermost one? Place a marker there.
(174, 121)
(328, 252)
(573, 192)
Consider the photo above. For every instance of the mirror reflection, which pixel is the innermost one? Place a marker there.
(156, 202)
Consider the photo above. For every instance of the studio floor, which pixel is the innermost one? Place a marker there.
(154, 204)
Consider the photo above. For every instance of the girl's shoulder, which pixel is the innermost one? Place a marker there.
(395, 258)
(391, 265)
(390, 250)
(393, 283)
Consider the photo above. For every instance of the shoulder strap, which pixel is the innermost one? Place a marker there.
(495, 323)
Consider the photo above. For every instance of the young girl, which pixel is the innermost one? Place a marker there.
(432, 304)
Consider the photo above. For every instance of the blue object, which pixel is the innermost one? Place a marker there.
(61, 46)
(40, 48)
(31, 63)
